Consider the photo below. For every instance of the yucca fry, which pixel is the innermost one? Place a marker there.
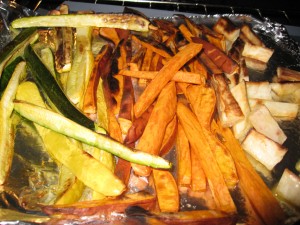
(250, 35)
(257, 52)
(164, 76)
(258, 193)
(163, 112)
(210, 167)
(180, 76)
(183, 156)
(166, 191)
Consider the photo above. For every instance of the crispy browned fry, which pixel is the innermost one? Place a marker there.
(211, 67)
(147, 60)
(228, 109)
(110, 33)
(210, 167)
(169, 137)
(154, 62)
(100, 67)
(260, 196)
(286, 74)
(138, 126)
(166, 191)
(152, 138)
(164, 76)
(102, 207)
(183, 156)
(250, 35)
(186, 32)
(203, 102)
(195, 30)
(127, 102)
(226, 64)
(180, 76)
(225, 26)
(154, 46)
(198, 182)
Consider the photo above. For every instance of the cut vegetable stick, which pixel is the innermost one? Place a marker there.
(198, 182)
(225, 26)
(286, 74)
(210, 167)
(154, 62)
(257, 52)
(183, 156)
(203, 101)
(260, 196)
(180, 76)
(166, 191)
(211, 66)
(164, 76)
(151, 46)
(250, 35)
(152, 138)
(110, 33)
(186, 33)
(147, 60)
(169, 137)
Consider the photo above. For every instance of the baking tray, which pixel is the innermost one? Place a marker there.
(287, 53)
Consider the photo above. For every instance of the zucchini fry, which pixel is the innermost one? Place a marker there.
(164, 76)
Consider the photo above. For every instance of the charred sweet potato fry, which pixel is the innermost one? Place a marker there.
(169, 137)
(260, 196)
(164, 76)
(152, 138)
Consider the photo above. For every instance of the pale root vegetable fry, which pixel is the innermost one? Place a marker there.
(183, 156)
(163, 112)
(169, 137)
(166, 191)
(257, 52)
(203, 102)
(155, 49)
(180, 76)
(198, 182)
(258, 193)
(164, 76)
(210, 167)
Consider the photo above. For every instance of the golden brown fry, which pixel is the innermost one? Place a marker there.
(164, 76)
(183, 156)
(166, 191)
(210, 65)
(202, 148)
(152, 138)
(110, 33)
(180, 76)
(147, 60)
(260, 196)
(198, 182)
(186, 33)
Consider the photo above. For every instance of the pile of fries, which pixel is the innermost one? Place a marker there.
(183, 91)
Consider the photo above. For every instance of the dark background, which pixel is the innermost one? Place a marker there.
(286, 12)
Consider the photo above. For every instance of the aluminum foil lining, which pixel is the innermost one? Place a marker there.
(275, 36)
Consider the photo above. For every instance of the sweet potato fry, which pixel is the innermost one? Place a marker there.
(198, 182)
(226, 64)
(210, 167)
(152, 138)
(186, 33)
(110, 33)
(183, 156)
(180, 76)
(164, 76)
(210, 65)
(260, 196)
(147, 60)
(169, 137)
(166, 191)
(154, 62)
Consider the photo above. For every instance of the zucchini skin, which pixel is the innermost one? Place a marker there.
(44, 79)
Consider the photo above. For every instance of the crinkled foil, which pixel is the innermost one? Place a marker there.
(34, 175)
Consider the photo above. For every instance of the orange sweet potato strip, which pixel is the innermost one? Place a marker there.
(164, 76)
(169, 137)
(166, 191)
(186, 32)
(183, 157)
(152, 138)
(180, 76)
(198, 176)
(210, 167)
(260, 196)
(110, 33)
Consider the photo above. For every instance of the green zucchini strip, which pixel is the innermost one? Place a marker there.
(6, 124)
(60, 124)
(122, 21)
